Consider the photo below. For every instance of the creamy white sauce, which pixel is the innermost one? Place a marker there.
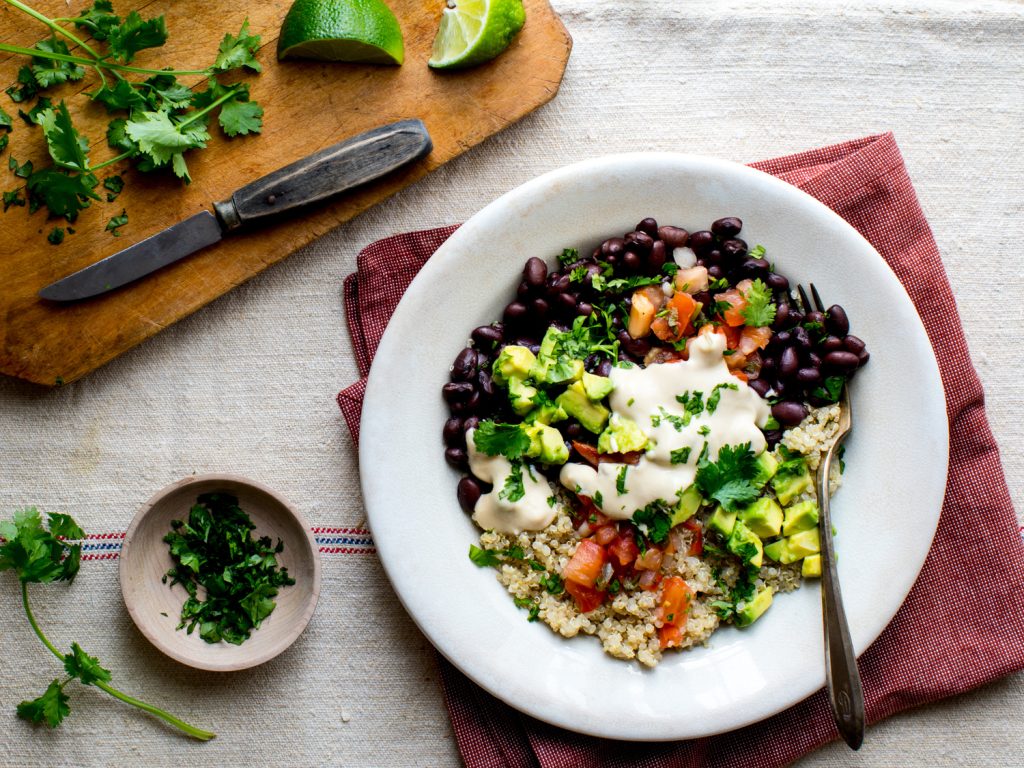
(530, 513)
(647, 396)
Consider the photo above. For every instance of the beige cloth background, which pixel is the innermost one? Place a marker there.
(247, 385)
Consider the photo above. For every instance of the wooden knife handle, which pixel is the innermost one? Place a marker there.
(326, 173)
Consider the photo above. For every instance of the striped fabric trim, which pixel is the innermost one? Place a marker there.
(330, 541)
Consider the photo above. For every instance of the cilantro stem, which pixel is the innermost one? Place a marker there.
(35, 626)
(96, 63)
(53, 25)
(191, 730)
(200, 112)
(111, 161)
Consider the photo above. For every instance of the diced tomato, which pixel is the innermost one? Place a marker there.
(752, 339)
(736, 360)
(697, 544)
(740, 375)
(692, 280)
(587, 598)
(623, 550)
(629, 457)
(650, 560)
(587, 451)
(676, 596)
(670, 636)
(585, 565)
(677, 324)
(606, 534)
(734, 315)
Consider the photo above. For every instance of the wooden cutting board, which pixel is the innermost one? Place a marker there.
(307, 105)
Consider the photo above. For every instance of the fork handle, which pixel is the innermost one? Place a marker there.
(842, 678)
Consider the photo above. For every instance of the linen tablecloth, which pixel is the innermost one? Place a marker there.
(247, 385)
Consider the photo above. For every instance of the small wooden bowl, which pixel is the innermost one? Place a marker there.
(155, 607)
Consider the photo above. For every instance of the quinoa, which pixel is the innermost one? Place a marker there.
(627, 624)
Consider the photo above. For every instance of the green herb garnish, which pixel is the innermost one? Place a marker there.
(729, 479)
(760, 310)
(494, 439)
(620, 481)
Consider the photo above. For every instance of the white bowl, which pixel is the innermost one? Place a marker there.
(886, 513)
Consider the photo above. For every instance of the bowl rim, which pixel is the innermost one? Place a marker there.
(286, 639)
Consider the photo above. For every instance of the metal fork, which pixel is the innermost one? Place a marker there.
(842, 678)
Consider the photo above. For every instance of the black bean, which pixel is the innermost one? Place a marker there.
(523, 290)
(863, 356)
(484, 383)
(456, 457)
(473, 404)
(584, 308)
(815, 317)
(631, 260)
(853, 344)
(777, 282)
(713, 256)
(730, 226)
(515, 312)
(635, 347)
(604, 368)
(841, 360)
(650, 226)
(657, 258)
(453, 433)
(781, 388)
(596, 253)
(535, 348)
(808, 376)
(486, 336)
(471, 423)
(789, 362)
(831, 344)
(612, 258)
(802, 337)
(789, 413)
(783, 337)
(559, 284)
(813, 360)
(539, 307)
(754, 268)
(734, 248)
(773, 436)
(674, 237)
(704, 299)
(535, 272)
(566, 302)
(457, 391)
(781, 316)
(639, 242)
(464, 367)
(715, 272)
(760, 386)
(613, 246)
(526, 341)
(469, 492)
(701, 241)
(574, 430)
(837, 322)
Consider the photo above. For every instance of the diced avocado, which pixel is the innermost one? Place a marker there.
(563, 371)
(552, 368)
(744, 543)
(804, 543)
(514, 362)
(811, 567)
(776, 551)
(763, 517)
(548, 343)
(766, 465)
(722, 521)
(689, 502)
(548, 412)
(792, 483)
(597, 387)
(574, 401)
(621, 436)
(801, 516)
(521, 395)
(552, 448)
(752, 611)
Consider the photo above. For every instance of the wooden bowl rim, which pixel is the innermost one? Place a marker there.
(240, 660)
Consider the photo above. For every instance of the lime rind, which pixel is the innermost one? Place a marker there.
(359, 31)
(475, 31)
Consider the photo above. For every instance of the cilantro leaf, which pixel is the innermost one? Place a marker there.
(238, 51)
(36, 554)
(620, 481)
(21, 171)
(13, 197)
(122, 95)
(5, 120)
(50, 72)
(63, 194)
(568, 256)
(66, 146)
(513, 489)
(165, 92)
(493, 438)
(164, 141)
(113, 185)
(654, 521)
(483, 557)
(239, 117)
(86, 668)
(716, 396)
(135, 34)
(680, 455)
(51, 708)
(728, 480)
(116, 222)
(32, 117)
(831, 389)
(760, 310)
(25, 88)
(553, 583)
(56, 236)
(99, 19)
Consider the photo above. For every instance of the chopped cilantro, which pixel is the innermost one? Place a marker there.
(680, 455)
(599, 500)
(832, 389)
(578, 275)
(757, 252)
(513, 489)
(728, 480)
(704, 430)
(56, 236)
(620, 481)
(720, 284)
(494, 439)
(552, 582)
(670, 268)
(614, 586)
(630, 401)
(568, 256)
(716, 395)
(552, 500)
(654, 521)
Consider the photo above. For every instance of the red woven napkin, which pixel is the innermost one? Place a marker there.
(963, 622)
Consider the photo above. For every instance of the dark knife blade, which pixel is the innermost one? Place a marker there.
(176, 242)
(323, 174)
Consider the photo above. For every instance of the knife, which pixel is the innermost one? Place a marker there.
(323, 174)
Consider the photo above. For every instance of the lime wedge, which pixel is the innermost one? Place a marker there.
(475, 31)
(364, 31)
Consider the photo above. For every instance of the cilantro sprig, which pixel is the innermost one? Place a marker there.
(40, 554)
(760, 309)
(158, 119)
(728, 480)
